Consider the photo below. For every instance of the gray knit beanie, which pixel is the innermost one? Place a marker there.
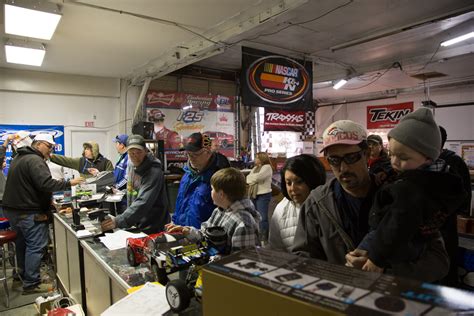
(419, 131)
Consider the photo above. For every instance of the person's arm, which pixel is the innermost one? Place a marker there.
(147, 193)
(307, 242)
(73, 163)
(399, 224)
(265, 173)
(108, 165)
(275, 240)
(42, 180)
(243, 237)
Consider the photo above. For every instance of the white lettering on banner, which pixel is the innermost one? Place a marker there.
(383, 114)
(290, 118)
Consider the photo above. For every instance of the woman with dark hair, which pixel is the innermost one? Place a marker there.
(261, 179)
(379, 161)
(299, 176)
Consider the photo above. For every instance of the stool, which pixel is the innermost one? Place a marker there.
(7, 237)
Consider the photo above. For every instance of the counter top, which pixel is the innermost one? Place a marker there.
(116, 264)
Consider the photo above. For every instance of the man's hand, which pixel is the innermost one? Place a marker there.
(370, 266)
(108, 224)
(76, 181)
(93, 171)
(356, 258)
(172, 228)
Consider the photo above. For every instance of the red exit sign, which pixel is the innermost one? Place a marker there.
(89, 123)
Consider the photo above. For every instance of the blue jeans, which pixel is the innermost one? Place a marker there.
(261, 204)
(32, 238)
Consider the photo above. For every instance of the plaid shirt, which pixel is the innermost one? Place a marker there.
(240, 221)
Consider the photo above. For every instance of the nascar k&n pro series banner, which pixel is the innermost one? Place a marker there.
(57, 131)
(278, 120)
(276, 81)
(387, 116)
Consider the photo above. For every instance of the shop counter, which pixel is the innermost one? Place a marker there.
(108, 275)
(90, 273)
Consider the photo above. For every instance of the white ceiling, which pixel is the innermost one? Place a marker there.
(360, 39)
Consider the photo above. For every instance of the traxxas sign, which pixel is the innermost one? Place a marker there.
(278, 120)
(387, 116)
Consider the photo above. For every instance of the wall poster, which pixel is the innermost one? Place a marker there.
(176, 115)
(57, 131)
(387, 116)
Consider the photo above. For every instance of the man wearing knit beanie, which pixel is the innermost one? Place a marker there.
(418, 130)
(407, 214)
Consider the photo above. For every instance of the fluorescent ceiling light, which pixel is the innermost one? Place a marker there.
(339, 84)
(458, 39)
(31, 22)
(27, 54)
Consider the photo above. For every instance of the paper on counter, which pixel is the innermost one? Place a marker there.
(118, 239)
(84, 233)
(149, 300)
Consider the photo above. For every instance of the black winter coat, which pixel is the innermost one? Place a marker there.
(29, 184)
(412, 208)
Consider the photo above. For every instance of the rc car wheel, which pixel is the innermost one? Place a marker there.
(159, 274)
(178, 295)
(131, 257)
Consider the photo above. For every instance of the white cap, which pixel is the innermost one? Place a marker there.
(45, 138)
(343, 132)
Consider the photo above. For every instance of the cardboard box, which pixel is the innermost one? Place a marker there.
(265, 282)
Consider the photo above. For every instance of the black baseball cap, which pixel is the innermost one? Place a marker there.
(196, 142)
(375, 139)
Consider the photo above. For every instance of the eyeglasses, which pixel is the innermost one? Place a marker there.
(50, 146)
(349, 159)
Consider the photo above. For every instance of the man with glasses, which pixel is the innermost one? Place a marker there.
(26, 203)
(334, 217)
(194, 204)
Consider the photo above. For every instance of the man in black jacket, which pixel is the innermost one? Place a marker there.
(26, 203)
(147, 203)
(449, 230)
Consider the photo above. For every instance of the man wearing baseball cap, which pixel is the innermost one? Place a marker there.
(26, 203)
(194, 204)
(147, 203)
(120, 171)
(334, 218)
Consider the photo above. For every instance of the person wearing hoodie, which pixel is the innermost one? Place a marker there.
(235, 213)
(89, 164)
(26, 204)
(408, 213)
(147, 202)
(194, 203)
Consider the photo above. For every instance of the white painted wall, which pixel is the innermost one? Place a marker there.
(458, 121)
(38, 98)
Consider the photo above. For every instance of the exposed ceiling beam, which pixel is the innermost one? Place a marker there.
(215, 43)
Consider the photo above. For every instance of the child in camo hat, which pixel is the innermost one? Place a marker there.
(406, 215)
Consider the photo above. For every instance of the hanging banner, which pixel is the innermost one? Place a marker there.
(280, 120)
(176, 115)
(276, 81)
(57, 131)
(387, 116)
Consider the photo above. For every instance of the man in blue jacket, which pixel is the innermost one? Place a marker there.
(194, 203)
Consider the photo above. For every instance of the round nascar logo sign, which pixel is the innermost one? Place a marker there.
(278, 80)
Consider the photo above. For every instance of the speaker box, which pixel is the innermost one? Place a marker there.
(143, 128)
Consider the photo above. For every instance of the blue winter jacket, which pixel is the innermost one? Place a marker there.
(120, 172)
(194, 203)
